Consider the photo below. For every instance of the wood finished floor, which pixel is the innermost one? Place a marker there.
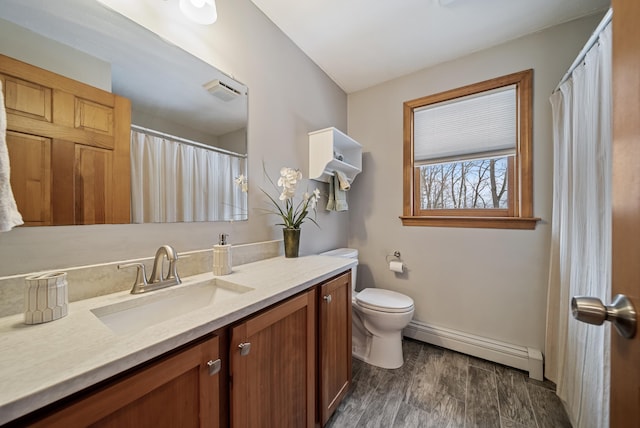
(437, 388)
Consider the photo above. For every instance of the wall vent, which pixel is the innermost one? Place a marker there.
(222, 90)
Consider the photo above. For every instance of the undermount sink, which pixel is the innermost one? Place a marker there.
(159, 306)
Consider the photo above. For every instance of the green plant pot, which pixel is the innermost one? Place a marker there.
(291, 242)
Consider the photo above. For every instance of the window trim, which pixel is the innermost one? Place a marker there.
(522, 204)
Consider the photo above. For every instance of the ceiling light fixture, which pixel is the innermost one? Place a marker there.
(200, 11)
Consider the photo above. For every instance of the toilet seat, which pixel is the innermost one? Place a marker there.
(384, 300)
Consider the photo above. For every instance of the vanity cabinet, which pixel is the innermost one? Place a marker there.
(288, 365)
(334, 338)
(273, 366)
(276, 371)
(179, 390)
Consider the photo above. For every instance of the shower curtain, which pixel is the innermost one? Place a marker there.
(176, 182)
(577, 354)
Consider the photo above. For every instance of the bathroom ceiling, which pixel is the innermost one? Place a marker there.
(361, 43)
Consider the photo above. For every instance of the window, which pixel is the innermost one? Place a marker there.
(467, 156)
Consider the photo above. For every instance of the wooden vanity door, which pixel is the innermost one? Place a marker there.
(176, 391)
(272, 363)
(68, 147)
(334, 328)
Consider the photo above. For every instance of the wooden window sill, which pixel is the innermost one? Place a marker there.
(528, 223)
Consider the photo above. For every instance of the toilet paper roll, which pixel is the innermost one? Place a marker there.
(396, 266)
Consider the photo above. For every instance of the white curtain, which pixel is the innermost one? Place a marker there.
(577, 354)
(172, 181)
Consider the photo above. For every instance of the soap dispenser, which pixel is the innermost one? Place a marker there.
(222, 256)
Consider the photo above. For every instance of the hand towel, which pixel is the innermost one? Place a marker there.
(9, 215)
(344, 181)
(331, 199)
(340, 195)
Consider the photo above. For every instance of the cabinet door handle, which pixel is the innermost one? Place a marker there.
(214, 366)
(327, 298)
(245, 347)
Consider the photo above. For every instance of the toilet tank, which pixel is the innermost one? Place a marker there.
(348, 253)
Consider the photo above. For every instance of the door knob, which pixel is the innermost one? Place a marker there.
(592, 311)
(327, 298)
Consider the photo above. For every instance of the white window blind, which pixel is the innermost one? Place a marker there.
(483, 124)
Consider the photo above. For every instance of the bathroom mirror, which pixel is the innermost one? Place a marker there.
(171, 91)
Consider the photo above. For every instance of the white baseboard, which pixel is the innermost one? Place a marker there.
(520, 357)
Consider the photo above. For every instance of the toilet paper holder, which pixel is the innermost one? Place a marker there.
(395, 263)
(395, 255)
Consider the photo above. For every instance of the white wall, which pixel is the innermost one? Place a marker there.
(288, 97)
(486, 282)
(147, 119)
(234, 141)
(24, 45)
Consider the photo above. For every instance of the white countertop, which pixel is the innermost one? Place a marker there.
(40, 364)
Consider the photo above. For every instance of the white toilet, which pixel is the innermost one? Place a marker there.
(378, 319)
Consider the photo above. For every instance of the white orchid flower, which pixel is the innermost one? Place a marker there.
(288, 180)
(241, 181)
(293, 214)
(286, 194)
(312, 198)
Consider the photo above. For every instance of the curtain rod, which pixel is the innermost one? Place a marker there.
(185, 141)
(587, 47)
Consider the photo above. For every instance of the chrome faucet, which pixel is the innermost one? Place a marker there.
(157, 279)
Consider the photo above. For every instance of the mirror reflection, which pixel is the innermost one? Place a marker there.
(188, 139)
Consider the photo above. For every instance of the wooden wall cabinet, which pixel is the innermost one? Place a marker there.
(334, 334)
(273, 366)
(180, 390)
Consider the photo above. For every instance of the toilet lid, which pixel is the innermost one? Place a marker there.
(384, 300)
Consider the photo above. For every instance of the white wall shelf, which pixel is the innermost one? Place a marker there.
(325, 148)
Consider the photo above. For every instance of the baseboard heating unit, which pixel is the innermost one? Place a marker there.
(520, 357)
